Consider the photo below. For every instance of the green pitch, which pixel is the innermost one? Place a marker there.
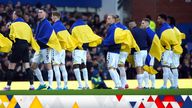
(100, 92)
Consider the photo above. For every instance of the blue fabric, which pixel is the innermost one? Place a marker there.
(140, 37)
(164, 27)
(79, 22)
(150, 33)
(19, 20)
(58, 26)
(43, 32)
(121, 26)
(109, 40)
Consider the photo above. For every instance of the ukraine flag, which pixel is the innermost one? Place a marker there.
(155, 50)
(131, 43)
(46, 34)
(179, 37)
(5, 44)
(21, 30)
(167, 37)
(64, 37)
(115, 35)
(147, 67)
(81, 33)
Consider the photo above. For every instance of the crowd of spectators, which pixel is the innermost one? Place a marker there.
(96, 56)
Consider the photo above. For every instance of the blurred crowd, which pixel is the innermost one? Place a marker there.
(96, 56)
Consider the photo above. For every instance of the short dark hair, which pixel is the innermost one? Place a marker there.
(148, 16)
(163, 16)
(43, 9)
(57, 14)
(172, 20)
(146, 19)
(131, 20)
(78, 16)
(18, 12)
(113, 16)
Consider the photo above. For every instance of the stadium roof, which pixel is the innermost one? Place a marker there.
(59, 3)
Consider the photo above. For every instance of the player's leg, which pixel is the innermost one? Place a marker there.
(46, 53)
(15, 58)
(63, 70)
(84, 68)
(146, 79)
(152, 77)
(174, 69)
(29, 71)
(138, 64)
(166, 61)
(34, 66)
(10, 75)
(121, 67)
(76, 67)
(112, 63)
(56, 62)
(29, 75)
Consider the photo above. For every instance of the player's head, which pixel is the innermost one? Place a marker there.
(55, 16)
(117, 19)
(145, 23)
(111, 19)
(149, 17)
(78, 16)
(171, 20)
(42, 13)
(161, 18)
(16, 14)
(132, 24)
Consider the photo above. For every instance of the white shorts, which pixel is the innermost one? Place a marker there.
(140, 57)
(79, 56)
(152, 61)
(43, 56)
(122, 57)
(58, 57)
(112, 60)
(175, 60)
(166, 58)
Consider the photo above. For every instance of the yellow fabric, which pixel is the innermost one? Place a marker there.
(5, 44)
(177, 48)
(126, 39)
(84, 34)
(54, 43)
(150, 69)
(168, 38)
(156, 49)
(65, 40)
(23, 31)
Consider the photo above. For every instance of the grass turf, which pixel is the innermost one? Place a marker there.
(100, 92)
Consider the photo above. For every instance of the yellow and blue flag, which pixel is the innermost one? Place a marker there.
(21, 30)
(115, 35)
(148, 67)
(155, 50)
(167, 37)
(129, 40)
(81, 33)
(179, 37)
(46, 34)
(5, 44)
(64, 36)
